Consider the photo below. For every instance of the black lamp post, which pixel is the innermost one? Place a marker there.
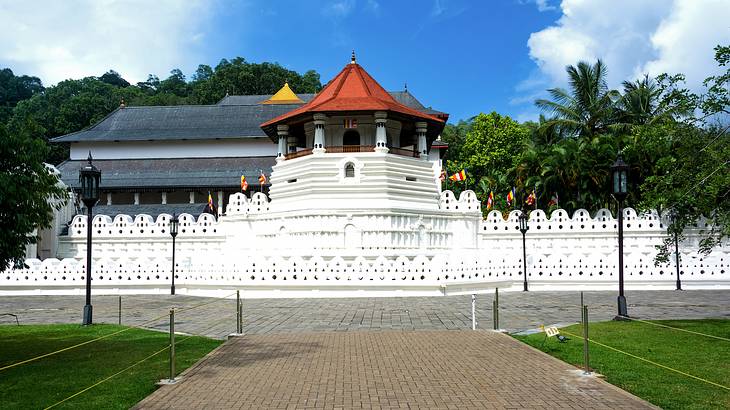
(676, 249)
(619, 179)
(174, 223)
(523, 229)
(89, 178)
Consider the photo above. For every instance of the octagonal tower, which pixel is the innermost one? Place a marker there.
(354, 147)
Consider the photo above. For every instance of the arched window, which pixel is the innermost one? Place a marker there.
(351, 137)
(349, 170)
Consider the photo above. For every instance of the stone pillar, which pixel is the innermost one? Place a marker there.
(319, 122)
(192, 197)
(108, 198)
(136, 198)
(283, 132)
(164, 198)
(421, 134)
(381, 138)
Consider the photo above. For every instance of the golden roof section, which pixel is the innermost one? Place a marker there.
(284, 96)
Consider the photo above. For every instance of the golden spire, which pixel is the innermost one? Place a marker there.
(285, 95)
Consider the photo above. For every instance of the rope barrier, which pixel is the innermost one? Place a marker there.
(677, 328)
(205, 303)
(108, 378)
(79, 344)
(649, 361)
(140, 326)
(133, 365)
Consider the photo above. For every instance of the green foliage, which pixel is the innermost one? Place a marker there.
(14, 89)
(695, 354)
(44, 382)
(487, 145)
(73, 105)
(27, 190)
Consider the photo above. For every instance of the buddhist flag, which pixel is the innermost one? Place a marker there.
(262, 178)
(459, 176)
(244, 183)
(511, 196)
(350, 123)
(553, 200)
(211, 207)
(531, 199)
(490, 200)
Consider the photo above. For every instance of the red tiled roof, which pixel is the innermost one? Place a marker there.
(353, 89)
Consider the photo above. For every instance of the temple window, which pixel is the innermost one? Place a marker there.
(349, 170)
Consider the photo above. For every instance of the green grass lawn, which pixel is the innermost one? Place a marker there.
(694, 354)
(44, 382)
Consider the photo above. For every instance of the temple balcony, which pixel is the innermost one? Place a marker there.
(353, 149)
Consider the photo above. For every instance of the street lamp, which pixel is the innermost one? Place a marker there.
(89, 178)
(174, 223)
(523, 229)
(675, 218)
(619, 179)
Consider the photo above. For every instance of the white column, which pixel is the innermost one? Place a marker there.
(136, 198)
(220, 203)
(283, 132)
(319, 122)
(192, 197)
(381, 138)
(164, 198)
(108, 198)
(421, 134)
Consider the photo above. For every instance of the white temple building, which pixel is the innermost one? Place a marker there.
(354, 208)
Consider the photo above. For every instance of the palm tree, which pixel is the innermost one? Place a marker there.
(588, 108)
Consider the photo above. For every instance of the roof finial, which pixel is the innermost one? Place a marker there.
(122, 104)
(89, 158)
(405, 86)
(352, 59)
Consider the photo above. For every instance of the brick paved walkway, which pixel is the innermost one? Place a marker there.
(518, 311)
(428, 369)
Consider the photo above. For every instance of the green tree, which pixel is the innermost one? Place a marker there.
(27, 190)
(692, 175)
(491, 146)
(114, 78)
(588, 108)
(14, 89)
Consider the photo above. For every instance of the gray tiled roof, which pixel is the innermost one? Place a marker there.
(171, 173)
(235, 116)
(149, 209)
(180, 122)
(255, 99)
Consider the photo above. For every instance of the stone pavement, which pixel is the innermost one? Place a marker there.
(518, 311)
(426, 369)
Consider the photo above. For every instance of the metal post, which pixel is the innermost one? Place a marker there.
(172, 287)
(87, 308)
(524, 261)
(172, 344)
(586, 367)
(676, 259)
(496, 309)
(622, 310)
(120, 309)
(238, 312)
(473, 312)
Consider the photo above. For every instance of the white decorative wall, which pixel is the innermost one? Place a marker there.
(274, 254)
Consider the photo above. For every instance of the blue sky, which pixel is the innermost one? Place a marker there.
(462, 57)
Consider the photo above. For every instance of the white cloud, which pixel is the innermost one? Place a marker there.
(633, 37)
(72, 39)
(340, 8)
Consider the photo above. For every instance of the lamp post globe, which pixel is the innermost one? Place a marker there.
(619, 184)
(523, 229)
(174, 223)
(89, 179)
